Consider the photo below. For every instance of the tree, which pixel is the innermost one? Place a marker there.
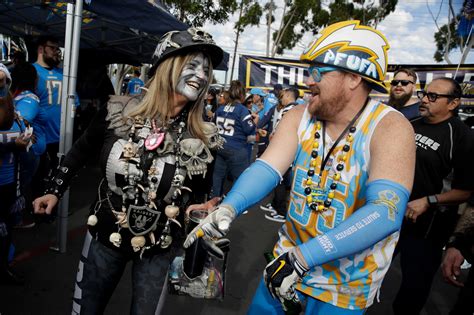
(197, 12)
(301, 16)
(250, 12)
(448, 38)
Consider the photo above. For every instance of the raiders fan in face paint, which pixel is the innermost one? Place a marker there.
(155, 151)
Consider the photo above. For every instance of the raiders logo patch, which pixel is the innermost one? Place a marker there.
(141, 219)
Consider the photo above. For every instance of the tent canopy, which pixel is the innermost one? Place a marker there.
(124, 31)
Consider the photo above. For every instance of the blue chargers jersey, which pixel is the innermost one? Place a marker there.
(134, 86)
(49, 90)
(27, 106)
(269, 102)
(234, 123)
(7, 160)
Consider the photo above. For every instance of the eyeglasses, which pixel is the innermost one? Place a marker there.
(316, 72)
(432, 97)
(403, 82)
(53, 48)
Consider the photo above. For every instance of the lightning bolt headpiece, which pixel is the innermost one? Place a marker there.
(352, 47)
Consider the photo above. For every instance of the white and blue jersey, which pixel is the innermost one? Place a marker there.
(28, 107)
(234, 123)
(134, 86)
(7, 160)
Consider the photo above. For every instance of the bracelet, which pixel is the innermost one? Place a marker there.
(457, 240)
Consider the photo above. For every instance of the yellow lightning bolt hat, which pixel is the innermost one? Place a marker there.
(352, 47)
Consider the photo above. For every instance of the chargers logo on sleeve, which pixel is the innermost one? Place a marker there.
(389, 199)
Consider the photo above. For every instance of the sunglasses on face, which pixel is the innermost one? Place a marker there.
(402, 82)
(432, 97)
(317, 72)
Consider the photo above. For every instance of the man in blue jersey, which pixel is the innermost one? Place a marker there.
(50, 79)
(134, 86)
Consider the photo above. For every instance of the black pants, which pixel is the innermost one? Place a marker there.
(465, 302)
(420, 259)
(8, 197)
(100, 270)
(47, 165)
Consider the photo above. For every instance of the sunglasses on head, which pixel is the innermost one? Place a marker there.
(316, 72)
(402, 82)
(432, 97)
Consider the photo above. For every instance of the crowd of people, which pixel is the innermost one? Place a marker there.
(353, 181)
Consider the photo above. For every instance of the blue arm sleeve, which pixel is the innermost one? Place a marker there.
(379, 217)
(254, 184)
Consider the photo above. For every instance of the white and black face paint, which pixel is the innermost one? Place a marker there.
(194, 77)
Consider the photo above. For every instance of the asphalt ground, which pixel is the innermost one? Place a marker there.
(50, 275)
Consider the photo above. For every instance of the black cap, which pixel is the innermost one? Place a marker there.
(182, 42)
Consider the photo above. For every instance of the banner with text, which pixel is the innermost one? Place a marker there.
(265, 72)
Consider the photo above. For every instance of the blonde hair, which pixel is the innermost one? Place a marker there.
(158, 102)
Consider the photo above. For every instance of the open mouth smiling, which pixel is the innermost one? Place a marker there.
(193, 84)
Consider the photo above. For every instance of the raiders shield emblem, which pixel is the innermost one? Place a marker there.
(141, 219)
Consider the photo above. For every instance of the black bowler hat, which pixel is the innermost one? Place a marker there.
(183, 42)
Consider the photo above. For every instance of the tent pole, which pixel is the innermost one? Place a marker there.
(72, 52)
(64, 202)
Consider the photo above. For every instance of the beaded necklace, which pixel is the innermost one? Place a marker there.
(320, 198)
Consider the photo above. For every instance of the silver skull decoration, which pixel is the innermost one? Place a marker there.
(195, 156)
(214, 140)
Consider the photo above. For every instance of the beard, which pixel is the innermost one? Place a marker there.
(398, 101)
(327, 107)
(52, 62)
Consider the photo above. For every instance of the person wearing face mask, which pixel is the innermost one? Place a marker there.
(154, 154)
(12, 143)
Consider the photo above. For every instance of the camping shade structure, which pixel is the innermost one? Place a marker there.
(124, 31)
(108, 31)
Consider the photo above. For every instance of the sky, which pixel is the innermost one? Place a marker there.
(409, 30)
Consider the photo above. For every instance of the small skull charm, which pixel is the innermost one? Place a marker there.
(130, 150)
(139, 121)
(171, 211)
(137, 243)
(116, 239)
(92, 220)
